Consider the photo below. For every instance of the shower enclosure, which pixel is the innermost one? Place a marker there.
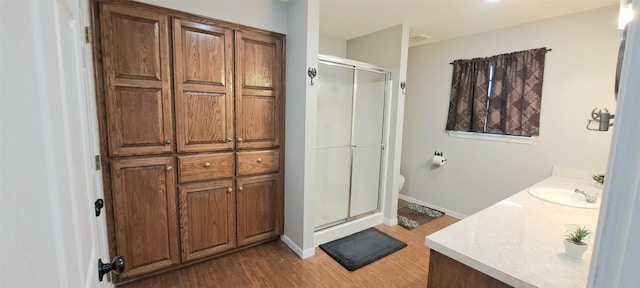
(350, 140)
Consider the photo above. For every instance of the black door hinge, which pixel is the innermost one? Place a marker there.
(98, 165)
(87, 35)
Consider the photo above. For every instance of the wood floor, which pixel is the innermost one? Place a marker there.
(275, 265)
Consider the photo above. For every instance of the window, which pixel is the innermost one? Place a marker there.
(501, 94)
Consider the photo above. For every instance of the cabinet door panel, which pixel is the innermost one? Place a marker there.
(136, 47)
(207, 219)
(137, 115)
(258, 90)
(203, 61)
(259, 123)
(258, 62)
(259, 208)
(144, 204)
(138, 82)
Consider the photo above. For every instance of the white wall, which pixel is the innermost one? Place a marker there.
(579, 76)
(25, 203)
(388, 48)
(300, 119)
(269, 15)
(333, 46)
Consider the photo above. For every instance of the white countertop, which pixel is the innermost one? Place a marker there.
(519, 240)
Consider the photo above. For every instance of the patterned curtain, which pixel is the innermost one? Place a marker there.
(469, 90)
(497, 108)
(516, 93)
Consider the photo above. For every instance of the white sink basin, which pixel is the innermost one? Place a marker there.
(563, 197)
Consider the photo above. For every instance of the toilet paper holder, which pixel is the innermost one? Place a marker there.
(438, 159)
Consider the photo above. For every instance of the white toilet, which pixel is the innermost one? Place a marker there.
(400, 183)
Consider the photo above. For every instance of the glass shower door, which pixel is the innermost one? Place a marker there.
(333, 144)
(349, 143)
(368, 126)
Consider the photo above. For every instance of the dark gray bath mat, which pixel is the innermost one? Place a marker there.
(415, 215)
(357, 250)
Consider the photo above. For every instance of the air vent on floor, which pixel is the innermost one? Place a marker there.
(419, 38)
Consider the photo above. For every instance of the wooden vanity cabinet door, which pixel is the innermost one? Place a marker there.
(203, 62)
(135, 46)
(445, 272)
(260, 207)
(145, 214)
(207, 219)
(259, 113)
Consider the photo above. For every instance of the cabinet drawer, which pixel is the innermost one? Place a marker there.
(205, 167)
(258, 162)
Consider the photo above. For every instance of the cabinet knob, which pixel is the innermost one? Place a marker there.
(228, 139)
(240, 188)
(259, 160)
(207, 164)
(167, 142)
(229, 189)
(239, 140)
(169, 168)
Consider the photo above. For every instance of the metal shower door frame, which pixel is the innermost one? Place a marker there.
(357, 66)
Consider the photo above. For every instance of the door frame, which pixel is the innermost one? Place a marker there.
(615, 248)
(47, 174)
(93, 131)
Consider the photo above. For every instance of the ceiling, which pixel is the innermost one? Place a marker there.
(440, 19)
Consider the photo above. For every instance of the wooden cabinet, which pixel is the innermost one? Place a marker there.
(203, 61)
(258, 215)
(259, 118)
(135, 47)
(445, 272)
(191, 123)
(207, 219)
(259, 106)
(144, 205)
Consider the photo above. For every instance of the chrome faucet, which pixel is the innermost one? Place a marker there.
(591, 198)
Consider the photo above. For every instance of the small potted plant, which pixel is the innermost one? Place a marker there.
(574, 245)
(599, 178)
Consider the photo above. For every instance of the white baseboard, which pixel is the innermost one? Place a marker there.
(303, 254)
(390, 222)
(346, 229)
(451, 213)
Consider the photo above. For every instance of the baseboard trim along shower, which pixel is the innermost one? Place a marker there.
(451, 213)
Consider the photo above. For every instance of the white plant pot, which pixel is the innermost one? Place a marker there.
(574, 250)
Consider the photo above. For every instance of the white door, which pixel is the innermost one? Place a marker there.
(50, 235)
(616, 253)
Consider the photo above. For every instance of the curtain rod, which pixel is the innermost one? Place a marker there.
(548, 50)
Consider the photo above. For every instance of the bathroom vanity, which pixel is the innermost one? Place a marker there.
(516, 242)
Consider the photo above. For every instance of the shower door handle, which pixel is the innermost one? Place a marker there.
(368, 146)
